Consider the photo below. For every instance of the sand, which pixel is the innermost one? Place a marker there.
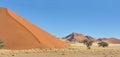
(75, 50)
(18, 33)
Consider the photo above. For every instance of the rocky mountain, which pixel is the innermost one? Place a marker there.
(75, 37)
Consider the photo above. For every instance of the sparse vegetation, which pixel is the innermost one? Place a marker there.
(1, 43)
(103, 44)
(74, 50)
(88, 43)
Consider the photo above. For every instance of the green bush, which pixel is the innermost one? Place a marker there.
(1, 43)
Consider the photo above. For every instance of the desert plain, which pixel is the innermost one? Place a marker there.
(74, 50)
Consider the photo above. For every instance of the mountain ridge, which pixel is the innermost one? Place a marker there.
(76, 37)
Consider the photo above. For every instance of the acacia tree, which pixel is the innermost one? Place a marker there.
(88, 43)
(1, 43)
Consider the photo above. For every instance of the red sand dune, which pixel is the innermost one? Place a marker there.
(18, 33)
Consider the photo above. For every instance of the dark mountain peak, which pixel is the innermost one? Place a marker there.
(74, 33)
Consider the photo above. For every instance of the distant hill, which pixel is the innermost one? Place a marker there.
(75, 37)
(110, 40)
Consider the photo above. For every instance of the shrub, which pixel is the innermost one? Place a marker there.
(1, 43)
(88, 43)
(103, 44)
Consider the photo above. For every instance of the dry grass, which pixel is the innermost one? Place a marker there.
(75, 50)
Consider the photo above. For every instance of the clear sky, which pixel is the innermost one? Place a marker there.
(97, 18)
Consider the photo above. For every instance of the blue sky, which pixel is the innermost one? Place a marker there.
(97, 18)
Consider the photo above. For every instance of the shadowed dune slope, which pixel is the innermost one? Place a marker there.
(18, 33)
